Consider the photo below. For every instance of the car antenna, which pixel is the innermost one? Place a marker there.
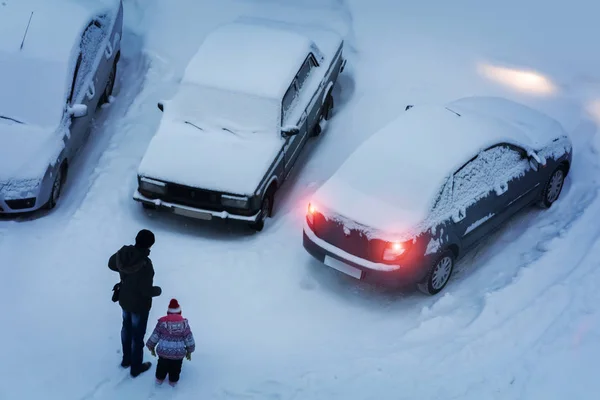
(452, 111)
(26, 29)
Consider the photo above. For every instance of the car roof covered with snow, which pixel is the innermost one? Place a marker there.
(251, 58)
(52, 33)
(41, 70)
(396, 173)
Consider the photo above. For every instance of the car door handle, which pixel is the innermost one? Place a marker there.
(108, 51)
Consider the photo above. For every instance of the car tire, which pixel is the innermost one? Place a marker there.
(553, 187)
(110, 85)
(328, 110)
(439, 274)
(266, 211)
(57, 186)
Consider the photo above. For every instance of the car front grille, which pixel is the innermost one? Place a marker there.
(352, 240)
(21, 204)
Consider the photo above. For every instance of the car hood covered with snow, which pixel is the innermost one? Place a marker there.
(26, 151)
(209, 157)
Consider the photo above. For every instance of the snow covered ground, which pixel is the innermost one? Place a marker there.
(519, 321)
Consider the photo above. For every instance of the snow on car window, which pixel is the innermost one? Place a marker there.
(91, 43)
(491, 169)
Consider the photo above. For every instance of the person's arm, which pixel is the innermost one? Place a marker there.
(190, 343)
(112, 262)
(146, 285)
(154, 338)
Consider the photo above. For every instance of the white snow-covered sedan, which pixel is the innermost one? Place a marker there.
(246, 106)
(416, 196)
(58, 63)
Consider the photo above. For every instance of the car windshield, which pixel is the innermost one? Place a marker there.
(33, 91)
(214, 109)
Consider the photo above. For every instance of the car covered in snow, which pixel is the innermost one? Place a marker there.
(249, 99)
(56, 68)
(419, 194)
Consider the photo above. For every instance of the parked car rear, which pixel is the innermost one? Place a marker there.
(418, 195)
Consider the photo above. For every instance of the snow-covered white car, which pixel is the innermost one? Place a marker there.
(417, 195)
(250, 98)
(56, 68)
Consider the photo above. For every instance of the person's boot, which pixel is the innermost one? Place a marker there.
(125, 364)
(173, 384)
(143, 368)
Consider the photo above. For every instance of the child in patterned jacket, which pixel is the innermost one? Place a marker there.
(172, 339)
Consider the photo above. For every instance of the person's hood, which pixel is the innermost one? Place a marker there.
(26, 151)
(131, 259)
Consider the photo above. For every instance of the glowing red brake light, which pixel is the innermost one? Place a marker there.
(310, 215)
(393, 251)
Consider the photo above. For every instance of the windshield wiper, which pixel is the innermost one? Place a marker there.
(229, 130)
(11, 119)
(195, 126)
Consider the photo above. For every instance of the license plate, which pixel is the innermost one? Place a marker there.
(343, 267)
(192, 213)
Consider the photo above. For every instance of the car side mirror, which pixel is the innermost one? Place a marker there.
(534, 164)
(290, 131)
(77, 110)
(161, 106)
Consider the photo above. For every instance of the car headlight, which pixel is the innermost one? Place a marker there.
(20, 189)
(153, 186)
(234, 201)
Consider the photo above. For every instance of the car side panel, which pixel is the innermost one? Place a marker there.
(311, 116)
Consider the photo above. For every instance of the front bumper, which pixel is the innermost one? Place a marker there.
(380, 274)
(25, 207)
(192, 212)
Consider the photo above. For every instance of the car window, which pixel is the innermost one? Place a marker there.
(288, 100)
(91, 41)
(305, 70)
(75, 74)
(491, 168)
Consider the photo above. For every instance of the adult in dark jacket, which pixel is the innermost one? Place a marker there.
(135, 297)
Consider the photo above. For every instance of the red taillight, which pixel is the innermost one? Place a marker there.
(310, 215)
(393, 251)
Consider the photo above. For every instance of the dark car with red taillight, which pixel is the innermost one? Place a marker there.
(419, 194)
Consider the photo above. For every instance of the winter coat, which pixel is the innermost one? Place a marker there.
(137, 275)
(173, 336)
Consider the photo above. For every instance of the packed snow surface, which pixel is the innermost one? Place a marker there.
(519, 320)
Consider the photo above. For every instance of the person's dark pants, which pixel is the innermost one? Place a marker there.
(168, 367)
(132, 338)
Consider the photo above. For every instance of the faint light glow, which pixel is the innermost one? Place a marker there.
(522, 80)
(396, 246)
(311, 209)
(593, 108)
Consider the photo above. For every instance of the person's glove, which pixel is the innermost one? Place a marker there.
(188, 356)
(153, 352)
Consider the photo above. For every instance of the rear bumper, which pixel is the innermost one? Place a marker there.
(192, 212)
(380, 274)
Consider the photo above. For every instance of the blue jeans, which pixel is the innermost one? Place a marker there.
(132, 338)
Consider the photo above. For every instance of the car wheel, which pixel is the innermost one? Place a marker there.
(327, 112)
(266, 210)
(57, 185)
(439, 274)
(317, 129)
(553, 187)
(110, 84)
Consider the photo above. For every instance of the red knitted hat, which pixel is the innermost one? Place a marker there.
(174, 307)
